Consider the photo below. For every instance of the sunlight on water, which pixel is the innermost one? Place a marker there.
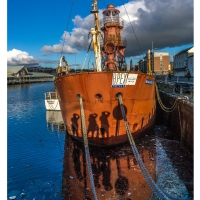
(34, 152)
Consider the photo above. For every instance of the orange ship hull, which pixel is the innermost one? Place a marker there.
(103, 118)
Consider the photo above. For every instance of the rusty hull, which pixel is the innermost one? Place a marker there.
(103, 118)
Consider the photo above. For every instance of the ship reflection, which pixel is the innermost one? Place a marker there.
(55, 121)
(115, 171)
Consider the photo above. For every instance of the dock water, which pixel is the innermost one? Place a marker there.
(42, 170)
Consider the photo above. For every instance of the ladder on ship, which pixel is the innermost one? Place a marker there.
(159, 194)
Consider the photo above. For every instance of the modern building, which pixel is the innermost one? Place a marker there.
(20, 74)
(183, 62)
(159, 63)
(191, 65)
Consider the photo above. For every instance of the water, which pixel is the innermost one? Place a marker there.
(34, 151)
(36, 165)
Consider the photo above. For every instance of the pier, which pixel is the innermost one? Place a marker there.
(21, 75)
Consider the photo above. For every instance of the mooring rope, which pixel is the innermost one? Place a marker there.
(156, 190)
(159, 194)
(87, 152)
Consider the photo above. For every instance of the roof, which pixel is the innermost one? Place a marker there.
(190, 56)
(183, 51)
(38, 74)
(14, 69)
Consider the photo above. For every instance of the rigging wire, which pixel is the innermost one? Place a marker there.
(132, 26)
(67, 27)
(87, 54)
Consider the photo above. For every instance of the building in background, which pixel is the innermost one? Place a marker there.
(184, 62)
(21, 75)
(159, 63)
(191, 65)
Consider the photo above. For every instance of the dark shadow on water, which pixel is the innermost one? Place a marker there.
(121, 183)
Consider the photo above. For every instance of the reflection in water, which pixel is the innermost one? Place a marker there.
(54, 120)
(121, 184)
(34, 156)
(116, 174)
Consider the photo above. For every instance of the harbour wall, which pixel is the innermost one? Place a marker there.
(180, 121)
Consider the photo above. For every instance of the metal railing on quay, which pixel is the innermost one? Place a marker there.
(180, 90)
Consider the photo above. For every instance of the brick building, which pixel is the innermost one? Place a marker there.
(160, 63)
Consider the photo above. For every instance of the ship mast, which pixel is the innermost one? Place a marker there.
(149, 71)
(96, 36)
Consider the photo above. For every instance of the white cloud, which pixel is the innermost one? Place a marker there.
(58, 48)
(18, 57)
(166, 23)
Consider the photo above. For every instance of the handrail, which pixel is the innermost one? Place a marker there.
(108, 19)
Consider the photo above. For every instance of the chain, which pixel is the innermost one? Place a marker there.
(162, 105)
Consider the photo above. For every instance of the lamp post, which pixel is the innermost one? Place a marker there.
(152, 57)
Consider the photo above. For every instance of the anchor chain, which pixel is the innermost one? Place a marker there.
(156, 190)
(87, 152)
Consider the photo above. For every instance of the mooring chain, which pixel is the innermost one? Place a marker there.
(156, 190)
(161, 104)
(87, 152)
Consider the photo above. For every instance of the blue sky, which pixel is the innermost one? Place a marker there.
(35, 29)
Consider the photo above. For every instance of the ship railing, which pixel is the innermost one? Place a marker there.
(51, 95)
(122, 42)
(108, 19)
